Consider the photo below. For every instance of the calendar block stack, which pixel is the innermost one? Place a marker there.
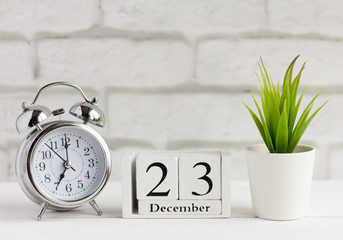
(174, 184)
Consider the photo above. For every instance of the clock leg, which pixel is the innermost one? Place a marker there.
(44, 206)
(95, 207)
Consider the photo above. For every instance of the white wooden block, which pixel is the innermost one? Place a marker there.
(200, 175)
(131, 203)
(157, 175)
(180, 207)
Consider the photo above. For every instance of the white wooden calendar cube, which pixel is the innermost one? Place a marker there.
(157, 176)
(200, 175)
(206, 174)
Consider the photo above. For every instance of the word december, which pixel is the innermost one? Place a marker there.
(193, 208)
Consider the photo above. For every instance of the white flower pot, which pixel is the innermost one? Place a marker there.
(280, 184)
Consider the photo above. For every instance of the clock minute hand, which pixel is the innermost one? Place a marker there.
(55, 152)
(66, 147)
(58, 155)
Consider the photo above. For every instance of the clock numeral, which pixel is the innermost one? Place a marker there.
(79, 184)
(46, 154)
(77, 143)
(87, 175)
(41, 166)
(53, 145)
(63, 141)
(86, 149)
(68, 187)
(47, 178)
(91, 163)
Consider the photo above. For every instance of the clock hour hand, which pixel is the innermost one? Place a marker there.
(61, 177)
(58, 155)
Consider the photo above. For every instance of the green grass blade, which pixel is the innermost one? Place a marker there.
(263, 101)
(282, 133)
(284, 96)
(278, 91)
(271, 86)
(301, 120)
(293, 101)
(267, 136)
(258, 108)
(289, 72)
(265, 74)
(259, 126)
(265, 84)
(274, 117)
(295, 84)
(302, 129)
(294, 113)
(305, 114)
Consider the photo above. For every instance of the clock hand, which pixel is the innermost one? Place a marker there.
(55, 152)
(58, 155)
(61, 177)
(66, 147)
(67, 162)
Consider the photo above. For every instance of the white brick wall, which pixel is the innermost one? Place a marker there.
(298, 16)
(16, 63)
(190, 15)
(224, 62)
(161, 117)
(30, 17)
(115, 62)
(171, 74)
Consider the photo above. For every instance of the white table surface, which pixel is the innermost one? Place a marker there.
(17, 219)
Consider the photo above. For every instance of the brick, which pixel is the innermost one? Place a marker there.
(11, 109)
(297, 16)
(321, 165)
(12, 157)
(117, 154)
(10, 139)
(191, 15)
(29, 17)
(5, 165)
(162, 117)
(115, 62)
(326, 126)
(233, 62)
(16, 64)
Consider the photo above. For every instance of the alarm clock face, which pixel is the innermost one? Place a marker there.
(68, 164)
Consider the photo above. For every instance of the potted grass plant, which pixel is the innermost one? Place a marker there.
(280, 170)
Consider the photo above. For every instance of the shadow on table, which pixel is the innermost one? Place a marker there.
(242, 213)
(13, 210)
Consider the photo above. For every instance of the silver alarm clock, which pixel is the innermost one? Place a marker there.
(62, 165)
